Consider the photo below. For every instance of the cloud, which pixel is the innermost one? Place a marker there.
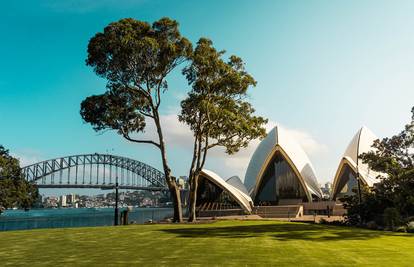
(27, 157)
(307, 141)
(178, 135)
(237, 163)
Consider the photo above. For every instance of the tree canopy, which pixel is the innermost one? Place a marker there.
(15, 191)
(393, 157)
(216, 109)
(135, 58)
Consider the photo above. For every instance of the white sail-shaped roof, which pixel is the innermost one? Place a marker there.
(236, 182)
(361, 143)
(243, 199)
(278, 139)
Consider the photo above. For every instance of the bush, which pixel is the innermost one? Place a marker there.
(391, 218)
(401, 229)
(336, 222)
(410, 227)
(409, 219)
(372, 225)
(323, 221)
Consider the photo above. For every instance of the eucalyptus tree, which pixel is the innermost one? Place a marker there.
(216, 109)
(392, 197)
(15, 191)
(135, 58)
(393, 157)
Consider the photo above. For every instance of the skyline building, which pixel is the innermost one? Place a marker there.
(62, 201)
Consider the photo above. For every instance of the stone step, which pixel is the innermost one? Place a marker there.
(291, 211)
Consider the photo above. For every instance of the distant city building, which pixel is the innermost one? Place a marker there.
(62, 201)
(326, 190)
(182, 182)
(71, 199)
(147, 202)
(51, 202)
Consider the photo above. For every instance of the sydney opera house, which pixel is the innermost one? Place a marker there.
(351, 167)
(280, 175)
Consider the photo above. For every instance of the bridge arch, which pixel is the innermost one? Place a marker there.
(43, 173)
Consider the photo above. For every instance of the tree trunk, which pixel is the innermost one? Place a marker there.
(194, 174)
(172, 185)
(193, 199)
(176, 196)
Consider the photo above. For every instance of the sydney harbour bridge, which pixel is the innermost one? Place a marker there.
(100, 171)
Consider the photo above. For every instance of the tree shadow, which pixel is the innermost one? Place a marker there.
(282, 232)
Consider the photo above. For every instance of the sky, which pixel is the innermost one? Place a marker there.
(324, 69)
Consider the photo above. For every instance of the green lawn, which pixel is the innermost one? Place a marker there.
(237, 243)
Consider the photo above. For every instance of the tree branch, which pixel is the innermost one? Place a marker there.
(139, 90)
(205, 151)
(127, 137)
(219, 142)
(145, 114)
(193, 161)
(199, 152)
(158, 100)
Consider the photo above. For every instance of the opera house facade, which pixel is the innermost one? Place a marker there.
(280, 174)
(215, 194)
(351, 168)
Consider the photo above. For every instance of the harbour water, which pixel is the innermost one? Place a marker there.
(67, 217)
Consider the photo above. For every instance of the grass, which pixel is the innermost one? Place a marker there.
(236, 243)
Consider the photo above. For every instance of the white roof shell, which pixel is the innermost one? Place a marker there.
(360, 143)
(236, 182)
(243, 199)
(278, 139)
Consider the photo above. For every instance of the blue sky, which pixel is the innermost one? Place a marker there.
(324, 69)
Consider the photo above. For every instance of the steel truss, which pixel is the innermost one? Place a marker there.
(49, 168)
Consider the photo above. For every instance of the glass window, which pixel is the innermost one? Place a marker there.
(266, 195)
(279, 184)
(209, 193)
(347, 183)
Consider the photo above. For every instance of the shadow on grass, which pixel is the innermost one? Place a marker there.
(280, 231)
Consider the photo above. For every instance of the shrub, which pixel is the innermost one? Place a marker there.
(391, 218)
(372, 225)
(410, 227)
(409, 219)
(336, 222)
(401, 229)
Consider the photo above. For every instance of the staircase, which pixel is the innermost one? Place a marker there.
(215, 209)
(285, 211)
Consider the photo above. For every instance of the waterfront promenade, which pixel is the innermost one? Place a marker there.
(82, 217)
